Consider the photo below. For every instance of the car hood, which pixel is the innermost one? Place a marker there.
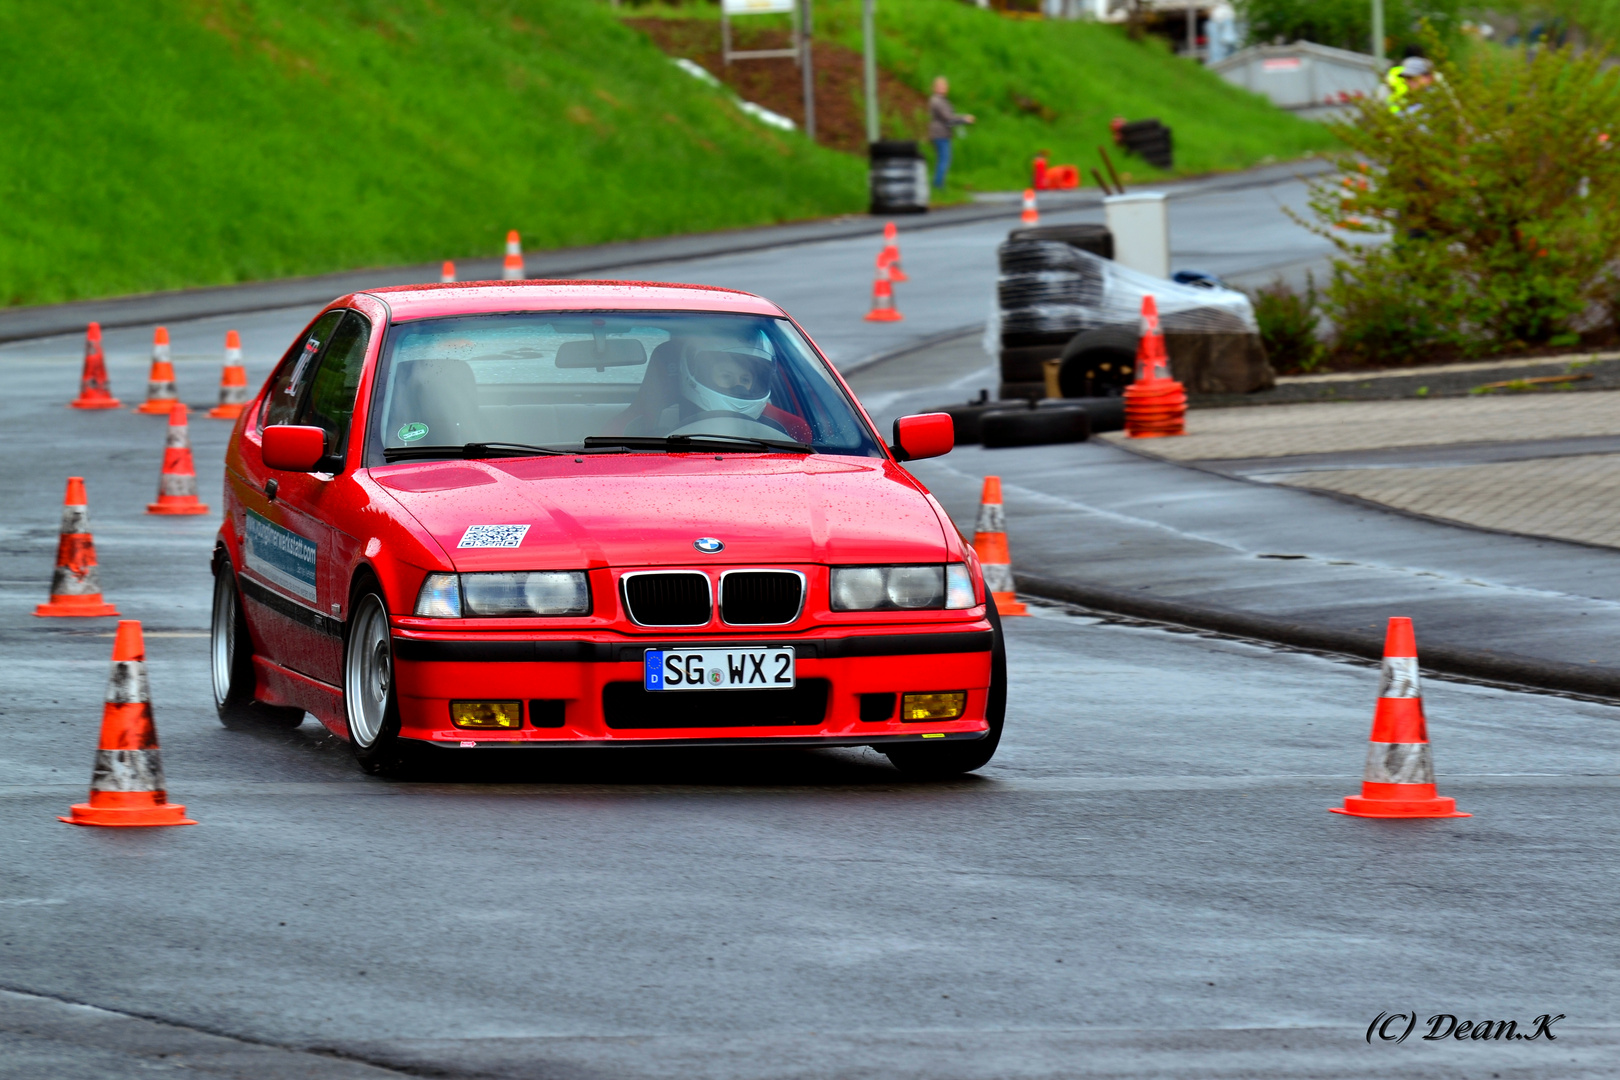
(648, 509)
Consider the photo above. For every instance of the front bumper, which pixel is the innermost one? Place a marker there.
(586, 689)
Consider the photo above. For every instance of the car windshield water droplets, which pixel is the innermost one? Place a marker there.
(555, 379)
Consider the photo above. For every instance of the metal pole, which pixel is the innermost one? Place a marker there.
(807, 26)
(1378, 29)
(869, 43)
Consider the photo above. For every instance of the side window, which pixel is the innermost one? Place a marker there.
(329, 404)
(287, 386)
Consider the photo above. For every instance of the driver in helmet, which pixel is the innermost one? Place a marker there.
(725, 377)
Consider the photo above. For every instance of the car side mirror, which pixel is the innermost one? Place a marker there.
(924, 436)
(293, 448)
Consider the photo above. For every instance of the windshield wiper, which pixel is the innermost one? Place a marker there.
(683, 442)
(469, 450)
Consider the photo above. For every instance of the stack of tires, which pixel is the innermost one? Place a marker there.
(1148, 140)
(1044, 293)
(899, 178)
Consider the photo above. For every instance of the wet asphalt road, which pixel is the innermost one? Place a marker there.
(1143, 883)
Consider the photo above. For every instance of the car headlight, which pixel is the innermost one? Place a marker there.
(901, 588)
(505, 593)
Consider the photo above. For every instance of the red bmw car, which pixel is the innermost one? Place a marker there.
(571, 514)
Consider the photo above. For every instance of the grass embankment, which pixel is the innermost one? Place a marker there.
(189, 142)
(1051, 85)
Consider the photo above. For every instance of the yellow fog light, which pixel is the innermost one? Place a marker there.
(503, 715)
(946, 706)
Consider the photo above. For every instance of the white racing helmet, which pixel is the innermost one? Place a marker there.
(727, 375)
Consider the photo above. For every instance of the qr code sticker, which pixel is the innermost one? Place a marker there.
(493, 536)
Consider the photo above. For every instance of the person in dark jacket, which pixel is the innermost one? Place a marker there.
(942, 124)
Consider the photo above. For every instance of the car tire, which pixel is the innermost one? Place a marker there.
(1099, 362)
(940, 761)
(966, 419)
(1034, 427)
(370, 702)
(230, 654)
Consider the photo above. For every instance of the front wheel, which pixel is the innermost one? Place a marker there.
(230, 652)
(369, 702)
(943, 760)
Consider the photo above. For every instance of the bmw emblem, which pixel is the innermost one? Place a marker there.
(708, 545)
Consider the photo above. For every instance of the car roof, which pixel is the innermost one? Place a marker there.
(408, 302)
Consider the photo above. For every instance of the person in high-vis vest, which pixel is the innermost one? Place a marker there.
(1413, 73)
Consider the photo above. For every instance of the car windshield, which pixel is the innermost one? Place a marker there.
(622, 380)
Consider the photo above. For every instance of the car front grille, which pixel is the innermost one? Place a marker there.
(679, 599)
(760, 597)
(628, 705)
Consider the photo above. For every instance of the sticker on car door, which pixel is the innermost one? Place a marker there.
(280, 556)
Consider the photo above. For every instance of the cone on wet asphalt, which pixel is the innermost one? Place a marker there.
(990, 541)
(177, 484)
(890, 255)
(512, 268)
(1398, 781)
(1031, 214)
(233, 384)
(74, 588)
(447, 272)
(127, 785)
(883, 309)
(94, 392)
(160, 392)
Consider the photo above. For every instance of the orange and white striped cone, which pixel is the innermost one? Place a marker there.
(890, 256)
(127, 785)
(447, 272)
(233, 384)
(1155, 404)
(1399, 778)
(74, 589)
(512, 269)
(1031, 215)
(990, 541)
(94, 393)
(883, 309)
(160, 392)
(177, 484)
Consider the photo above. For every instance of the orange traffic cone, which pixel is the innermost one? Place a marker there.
(93, 390)
(883, 309)
(447, 273)
(126, 786)
(74, 590)
(1030, 216)
(890, 256)
(177, 484)
(1399, 779)
(233, 386)
(1155, 404)
(160, 392)
(990, 541)
(512, 269)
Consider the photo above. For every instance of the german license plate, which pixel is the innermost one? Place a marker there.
(718, 669)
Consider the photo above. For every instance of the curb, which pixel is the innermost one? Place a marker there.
(46, 320)
(1446, 659)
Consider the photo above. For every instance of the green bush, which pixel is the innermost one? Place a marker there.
(1347, 24)
(1288, 326)
(1496, 195)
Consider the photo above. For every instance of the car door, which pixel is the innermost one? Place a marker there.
(287, 537)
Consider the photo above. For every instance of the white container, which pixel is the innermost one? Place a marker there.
(1140, 222)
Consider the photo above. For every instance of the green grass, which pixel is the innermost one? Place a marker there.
(1083, 74)
(1037, 85)
(156, 144)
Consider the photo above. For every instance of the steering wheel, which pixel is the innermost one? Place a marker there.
(733, 423)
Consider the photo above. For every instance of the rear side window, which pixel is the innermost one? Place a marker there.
(329, 402)
(291, 379)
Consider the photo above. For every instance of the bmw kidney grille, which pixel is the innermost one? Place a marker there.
(760, 597)
(675, 599)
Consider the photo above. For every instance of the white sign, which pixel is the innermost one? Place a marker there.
(757, 7)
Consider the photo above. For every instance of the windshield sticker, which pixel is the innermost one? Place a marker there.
(493, 536)
(280, 556)
(412, 432)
